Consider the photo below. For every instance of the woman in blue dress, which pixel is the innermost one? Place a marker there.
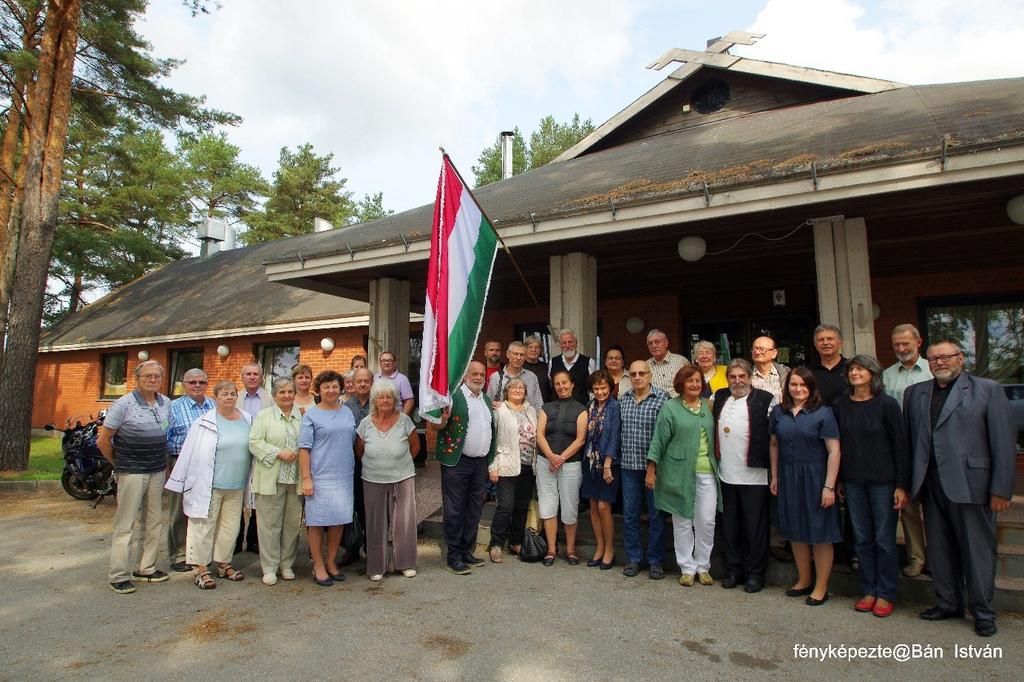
(600, 466)
(327, 466)
(804, 454)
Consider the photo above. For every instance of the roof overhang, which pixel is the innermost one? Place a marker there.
(721, 202)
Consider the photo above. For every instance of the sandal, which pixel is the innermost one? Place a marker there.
(549, 559)
(228, 572)
(572, 559)
(204, 581)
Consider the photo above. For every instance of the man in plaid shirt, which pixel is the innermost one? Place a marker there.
(639, 407)
(184, 411)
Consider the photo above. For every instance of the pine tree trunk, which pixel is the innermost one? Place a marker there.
(43, 160)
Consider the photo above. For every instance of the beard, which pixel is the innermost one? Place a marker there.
(569, 354)
(906, 357)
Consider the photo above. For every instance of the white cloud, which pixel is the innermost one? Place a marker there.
(911, 41)
(383, 84)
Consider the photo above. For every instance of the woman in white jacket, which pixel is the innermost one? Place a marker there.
(211, 474)
(512, 468)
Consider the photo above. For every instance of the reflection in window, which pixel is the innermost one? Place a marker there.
(115, 376)
(990, 334)
(182, 360)
(277, 361)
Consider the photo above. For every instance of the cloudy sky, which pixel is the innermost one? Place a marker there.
(382, 84)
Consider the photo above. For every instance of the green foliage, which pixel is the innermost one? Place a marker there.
(219, 185)
(304, 188)
(549, 140)
(370, 208)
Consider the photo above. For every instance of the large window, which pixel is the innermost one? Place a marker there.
(277, 360)
(989, 330)
(182, 360)
(114, 381)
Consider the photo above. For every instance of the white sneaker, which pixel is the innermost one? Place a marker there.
(376, 578)
(269, 579)
(287, 574)
(409, 573)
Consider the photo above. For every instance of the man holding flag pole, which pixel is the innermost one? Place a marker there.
(462, 251)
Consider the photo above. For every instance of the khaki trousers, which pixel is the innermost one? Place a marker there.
(913, 532)
(213, 538)
(139, 498)
(280, 516)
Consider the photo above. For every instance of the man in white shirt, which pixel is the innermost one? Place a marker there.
(664, 363)
(910, 369)
(741, 441)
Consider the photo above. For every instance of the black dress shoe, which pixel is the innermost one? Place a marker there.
(608, 566)
(984, 628)
(458, 567)
(472, 561)
(631, 569)
(811, 601)
(799, 592)
(938, 613)
(731, 581)
(593, 563)
(754, 584)
(180, 567)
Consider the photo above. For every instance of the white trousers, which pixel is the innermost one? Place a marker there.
(559, 489)
(214, 537)
(695, 537)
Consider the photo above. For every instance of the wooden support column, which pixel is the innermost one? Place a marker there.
(844, 283)
(389, 321)
(574, 299)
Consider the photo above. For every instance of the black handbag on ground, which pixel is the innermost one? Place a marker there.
(534, 546)
(352, 540)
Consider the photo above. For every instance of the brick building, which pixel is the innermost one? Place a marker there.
(735, 198)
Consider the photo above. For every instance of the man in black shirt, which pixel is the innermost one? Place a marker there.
(830, 372)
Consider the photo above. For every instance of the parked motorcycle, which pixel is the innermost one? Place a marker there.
(87, 474)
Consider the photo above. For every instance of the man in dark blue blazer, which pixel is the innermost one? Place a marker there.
(964, 460)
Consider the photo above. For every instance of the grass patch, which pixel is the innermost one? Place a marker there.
(45, 462)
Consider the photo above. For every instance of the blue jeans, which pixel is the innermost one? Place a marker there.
(869, 506)
(634, 491)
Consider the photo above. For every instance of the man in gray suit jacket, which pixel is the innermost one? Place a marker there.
(964, 460)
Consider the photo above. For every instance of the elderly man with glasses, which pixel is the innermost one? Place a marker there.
(769, 374)
(184, 411)
(387, 363)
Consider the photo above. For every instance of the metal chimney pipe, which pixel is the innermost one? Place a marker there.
(211, 234)
(229, 239)
(506, 154)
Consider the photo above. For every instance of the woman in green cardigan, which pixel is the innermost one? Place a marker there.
(683, 472)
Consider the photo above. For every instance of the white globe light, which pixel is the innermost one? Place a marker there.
(327, 344)
(223, 351)
(1015, 209)
(635, 325)
(692, 249)
(143, 355)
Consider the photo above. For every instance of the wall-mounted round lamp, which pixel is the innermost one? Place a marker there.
(223, 351)
(692, 249)
(1015, 209)
(143, 355)
(635, 325)
(327, 344)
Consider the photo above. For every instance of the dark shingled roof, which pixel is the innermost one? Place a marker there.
(226, 291)
(760, 148)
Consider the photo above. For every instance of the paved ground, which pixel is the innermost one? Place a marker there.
(511, 621)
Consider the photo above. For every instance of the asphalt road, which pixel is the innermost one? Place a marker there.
(511, 621)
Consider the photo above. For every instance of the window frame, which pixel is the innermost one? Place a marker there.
(261, 348)
(104, 359)
(174, 355)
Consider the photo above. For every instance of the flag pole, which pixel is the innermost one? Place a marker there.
(490, 222)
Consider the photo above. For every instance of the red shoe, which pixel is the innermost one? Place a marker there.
(883, 611)
(865, 604)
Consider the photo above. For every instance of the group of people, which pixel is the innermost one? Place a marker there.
(327, 447)
(772, 452)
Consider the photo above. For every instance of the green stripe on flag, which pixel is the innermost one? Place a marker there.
(462, 339)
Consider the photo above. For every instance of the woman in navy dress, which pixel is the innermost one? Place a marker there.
(804, 454)
(327, 466)
(601, 466)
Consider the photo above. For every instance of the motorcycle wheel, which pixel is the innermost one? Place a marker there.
(75, 486)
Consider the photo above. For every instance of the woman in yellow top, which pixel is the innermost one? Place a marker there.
(683, 472)
(704, 354)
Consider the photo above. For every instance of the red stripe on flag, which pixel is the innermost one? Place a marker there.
(446, 207)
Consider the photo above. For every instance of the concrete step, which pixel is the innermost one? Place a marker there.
(1009, 594)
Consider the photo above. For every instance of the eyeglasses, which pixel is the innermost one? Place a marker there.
(196, 382)
(638, 374)
(151, 376)
(761, 349)
(943, 358)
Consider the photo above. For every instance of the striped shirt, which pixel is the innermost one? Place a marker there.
(663, 373)
(637, 429)
(184, 411)
(140, 441)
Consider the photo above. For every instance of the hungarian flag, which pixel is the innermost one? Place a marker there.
(462, 249)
